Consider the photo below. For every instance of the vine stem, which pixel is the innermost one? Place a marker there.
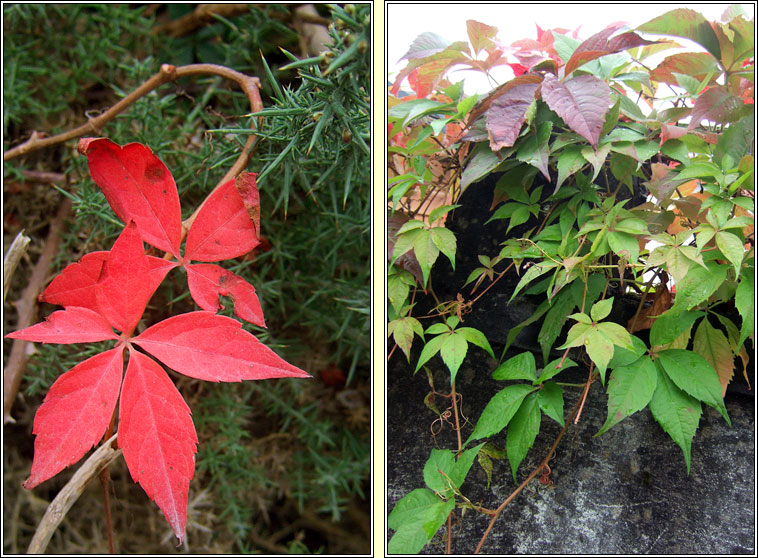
(533, 474)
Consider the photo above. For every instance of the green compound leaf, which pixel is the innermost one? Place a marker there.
(522, 431)
(416, 518)
(519, 367)
(629, 390)
(500, 410)
(694, 374)
(676, 412)
(550, 399)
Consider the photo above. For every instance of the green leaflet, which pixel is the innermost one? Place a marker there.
(499, 411)
(669, 326)
(522, 431)
(629, 390)
(694, 375)
(676, 412)
(744, 300)
(416, 518)
(519, 367)
(453, 351)
(550, 399)
(453, 471)
(697, 285)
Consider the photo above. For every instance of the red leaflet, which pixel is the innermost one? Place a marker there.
(72, 325)
(75, 414)
(139, 188)
(248, 191)
(208, 281)
(75, 284)
(214, 348)
(223, 229)
(158, 438)
(127, 281)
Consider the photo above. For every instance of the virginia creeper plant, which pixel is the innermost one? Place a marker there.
(572, 137)
(104, 297)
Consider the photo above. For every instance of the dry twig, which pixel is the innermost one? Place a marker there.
(70, 493)
(27, 311)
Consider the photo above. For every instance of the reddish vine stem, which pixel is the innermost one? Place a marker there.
(249, 85)
(533, 474)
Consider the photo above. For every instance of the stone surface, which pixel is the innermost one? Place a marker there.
(626, 491)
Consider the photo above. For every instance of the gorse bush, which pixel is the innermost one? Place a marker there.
(311, 269)
(572, 141)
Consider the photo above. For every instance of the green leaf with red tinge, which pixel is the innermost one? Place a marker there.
(713, 345)
(75, 414)
(507, 112)
(223, 228)
(208, 281)
(599, 45)
(214, 348)
(158, 438)
(139, 188)
(694, 64)
(686, 23)
(480, 35)
(716, 105)
(581, 101)
(424, 45)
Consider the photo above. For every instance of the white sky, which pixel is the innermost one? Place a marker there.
(405, 21)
